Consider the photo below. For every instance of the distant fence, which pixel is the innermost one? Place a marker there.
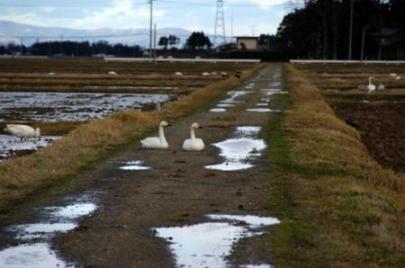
(187, 60)
(347, 61)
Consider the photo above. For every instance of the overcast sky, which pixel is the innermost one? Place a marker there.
(249, 16)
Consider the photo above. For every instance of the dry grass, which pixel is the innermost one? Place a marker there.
(339, 207)
(93, 141)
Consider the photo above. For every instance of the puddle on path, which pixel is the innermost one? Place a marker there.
(35, 250)
(10, 145)
(38, 255)
(208, 244)
(239, 151)
(56, 107)
(264, 110)
(231, 101)
(218, 110)
(135, 165)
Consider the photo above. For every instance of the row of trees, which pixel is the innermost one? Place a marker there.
(83, 49)
(322, 29)
(197, 40)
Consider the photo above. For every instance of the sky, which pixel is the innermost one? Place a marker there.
(250, 17)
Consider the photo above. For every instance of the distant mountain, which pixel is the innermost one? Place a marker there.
(29, 34)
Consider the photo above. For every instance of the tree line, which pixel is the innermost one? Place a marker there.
(321, 29)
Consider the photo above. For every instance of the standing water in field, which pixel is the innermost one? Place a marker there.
(240, 150)
(208, 244)
(12, 145)
(56, 107)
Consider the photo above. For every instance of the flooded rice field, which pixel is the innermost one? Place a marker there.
(240, 150)
(55, 107)
(209, 244)
(33, 240)
(13, 146)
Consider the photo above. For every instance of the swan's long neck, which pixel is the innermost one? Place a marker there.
(192, 133)
(162, 135)
(369, 80)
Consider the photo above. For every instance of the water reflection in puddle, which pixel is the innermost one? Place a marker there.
(55, 220)
(38, 255)
(218, 110)
(208, 244)
(263, 110)
(135, 165)
(10, 145)
(240, 150)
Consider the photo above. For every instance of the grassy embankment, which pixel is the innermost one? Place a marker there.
(94, 141)
(338, 206)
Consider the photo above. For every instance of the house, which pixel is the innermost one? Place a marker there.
(247, 42)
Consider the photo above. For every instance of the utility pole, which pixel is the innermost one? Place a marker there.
(351, 30)
(151, 27)
(154, 43)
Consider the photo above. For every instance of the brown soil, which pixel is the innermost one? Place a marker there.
(382, 128)
(177, 191)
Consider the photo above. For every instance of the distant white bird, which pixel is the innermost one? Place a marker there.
(205, 74)
(381, 87)
(193, 144)
(157, 142)
(393, 75)
(112, 73)
(397, 77)
(23, 131)
(51, 73)
(178, 73)
(370, 87)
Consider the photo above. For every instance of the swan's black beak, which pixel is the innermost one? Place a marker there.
(200, 127)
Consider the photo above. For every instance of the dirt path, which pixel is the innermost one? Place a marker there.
(177, 191)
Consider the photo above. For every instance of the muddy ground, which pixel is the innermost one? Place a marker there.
(382, 128)
(177, 191)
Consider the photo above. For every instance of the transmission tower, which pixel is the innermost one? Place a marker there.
(219, 31)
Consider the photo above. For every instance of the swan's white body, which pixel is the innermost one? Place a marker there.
(205, 74)
(51, 73)
(370, 87)
(393, 75)
(23, 131)
(397, 77)
(193, 144)
(157, 142)
(179, 73)
(112, 73)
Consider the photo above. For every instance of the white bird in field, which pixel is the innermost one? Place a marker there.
(23, 131)
(381, 87)
(51, 73)
(178, 73)
(193, 144)
(397, 77)
(205, 74)
(112, 73)
(157, 142)
(370, 87)
(393, 75)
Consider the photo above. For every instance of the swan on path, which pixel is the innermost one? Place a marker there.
(23, 131)
(178, 73)
(157, 142)
(193, 144)
(371, 87)
(205, 74)
(112, 73)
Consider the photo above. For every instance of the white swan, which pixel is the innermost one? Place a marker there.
(178, 73)
(157, 142)
(112, 73)
(193, 144)
(370, 87)
(23, 131)
(205, 74)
